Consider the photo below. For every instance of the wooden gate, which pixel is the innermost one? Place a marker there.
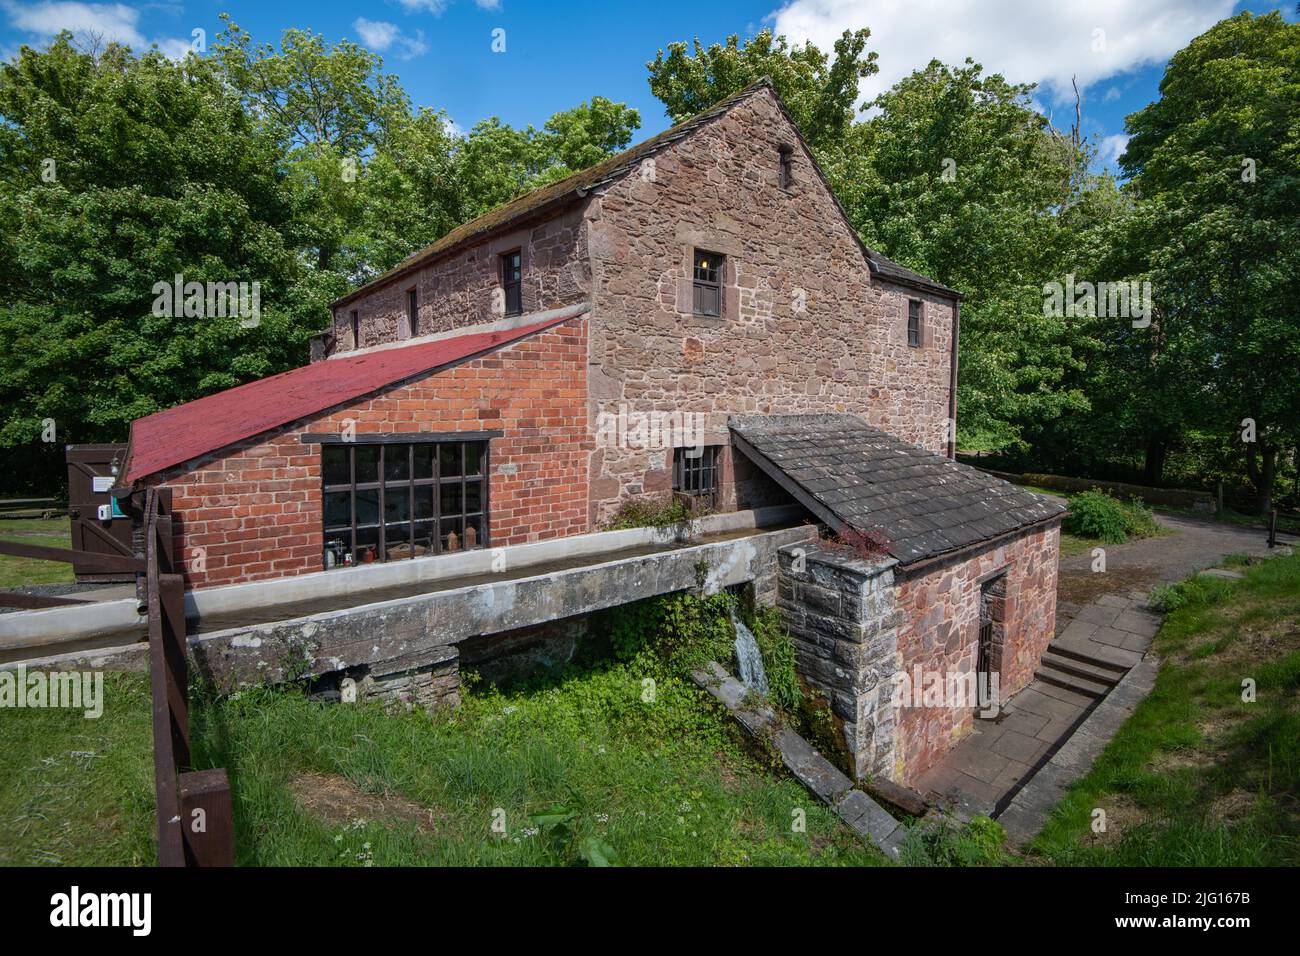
(91, 472)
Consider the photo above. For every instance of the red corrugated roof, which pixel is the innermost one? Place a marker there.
(177, 435)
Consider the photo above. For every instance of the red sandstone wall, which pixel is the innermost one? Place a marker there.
(455, 291)
(255, 509)
(846, 350)
(938, 614)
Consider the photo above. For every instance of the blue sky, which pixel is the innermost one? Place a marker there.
(558, 54)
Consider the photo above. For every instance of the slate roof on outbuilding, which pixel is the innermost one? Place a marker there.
(914, 503)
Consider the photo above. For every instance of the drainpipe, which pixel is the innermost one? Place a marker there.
(952, 380)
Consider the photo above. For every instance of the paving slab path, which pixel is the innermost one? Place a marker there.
(1103, 629)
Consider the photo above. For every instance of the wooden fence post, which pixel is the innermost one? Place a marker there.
(208, 818)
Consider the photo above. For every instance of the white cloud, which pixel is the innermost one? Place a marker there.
(424, 6)
(376, 34)
(1111, 148)
(488, 4)
(113, 21)
(109, 22)
(1112, 94)
(1042, 42)
(383, 37)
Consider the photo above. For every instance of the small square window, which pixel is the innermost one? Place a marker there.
(695, 471)
(914, 323)
(708, 271)
(512, 282)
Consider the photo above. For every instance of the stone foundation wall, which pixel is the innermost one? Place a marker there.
(434, 684)
(840, 612)
(499, 658)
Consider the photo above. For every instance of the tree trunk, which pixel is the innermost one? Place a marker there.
(1261, 463)
(1154, 470)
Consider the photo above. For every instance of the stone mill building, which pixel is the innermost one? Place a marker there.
(693, 317)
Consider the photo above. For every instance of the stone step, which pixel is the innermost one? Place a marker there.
(1094, 652)
(1072, 682)
(1072, 662)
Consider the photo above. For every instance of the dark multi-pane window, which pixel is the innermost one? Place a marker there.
(355, 319)
(708, 284)
(384, 502)
(512, 282)
(413, 312)
(695, 470)
(914, 323)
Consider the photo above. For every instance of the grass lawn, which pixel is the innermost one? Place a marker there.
(1198, 776)
(1074, 544)
(661, 783)
(19, 572)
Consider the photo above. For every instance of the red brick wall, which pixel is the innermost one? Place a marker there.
(938, 615)
(255, 509)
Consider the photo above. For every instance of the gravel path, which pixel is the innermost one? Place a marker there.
(1192, 545)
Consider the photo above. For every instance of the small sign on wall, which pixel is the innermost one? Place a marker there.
(100, 484)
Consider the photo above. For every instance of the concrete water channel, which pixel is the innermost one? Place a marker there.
(407, 618)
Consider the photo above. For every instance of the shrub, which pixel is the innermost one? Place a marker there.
(777, 648)
(650, 513)
(682, 631)
(1095, 514)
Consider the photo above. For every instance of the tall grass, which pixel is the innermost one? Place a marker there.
(1207, 770)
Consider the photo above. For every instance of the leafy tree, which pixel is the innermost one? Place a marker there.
(1215, 164)
(118, 172)
(958, 176)
(301, 168)
(820, 91)
(499, 162)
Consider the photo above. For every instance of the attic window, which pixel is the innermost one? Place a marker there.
(412, 312)
(914, 330)
(355, 319)
(785, 177)
(708, 283)
(512, 282)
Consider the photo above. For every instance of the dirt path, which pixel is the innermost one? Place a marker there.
(1193, 545)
